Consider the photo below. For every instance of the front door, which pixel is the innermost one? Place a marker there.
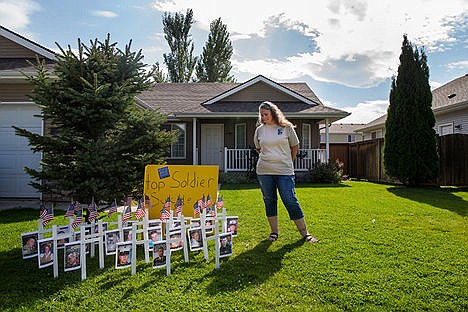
(212, 145)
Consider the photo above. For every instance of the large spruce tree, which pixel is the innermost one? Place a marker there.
(214, 65)
(410, 150)
(180, 61)
(97, 141)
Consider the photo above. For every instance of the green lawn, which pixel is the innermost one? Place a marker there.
(381, 248)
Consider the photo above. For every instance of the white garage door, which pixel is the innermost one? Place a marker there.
(15, 154)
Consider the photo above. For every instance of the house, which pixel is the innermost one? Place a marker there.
(216, 121)
(341, 133)
(450, 107)
(374, 129)
(17, 109)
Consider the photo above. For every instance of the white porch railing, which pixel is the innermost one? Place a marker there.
(242, 159)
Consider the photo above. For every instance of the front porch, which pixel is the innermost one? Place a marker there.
(242, 159)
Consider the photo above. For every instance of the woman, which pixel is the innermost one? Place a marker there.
(277, 145)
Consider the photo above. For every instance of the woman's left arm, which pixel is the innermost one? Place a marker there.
(294, 150)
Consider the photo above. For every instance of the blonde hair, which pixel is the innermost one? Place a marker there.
(276, 114)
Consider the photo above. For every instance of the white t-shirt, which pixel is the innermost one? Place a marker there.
(275, 144)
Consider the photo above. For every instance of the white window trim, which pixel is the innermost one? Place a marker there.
(235, 134)
(185, 142)
(439, 128)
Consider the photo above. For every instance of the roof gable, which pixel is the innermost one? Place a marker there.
(26, 44)
(451, 93)
(261, 84)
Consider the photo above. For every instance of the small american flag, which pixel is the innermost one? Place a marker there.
(77, 206)
(141, 209)
(128, 201)
(78, 219)
(167, 204)
(213, 211)
(196, 209)
(70, 211)
(164, 214)
(178, 205)
(208, 201)
(93, 214)
(201, 202)
(220, 202)
(127, 213)
(46, 215)
(112, 209)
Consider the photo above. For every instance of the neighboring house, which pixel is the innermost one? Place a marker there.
(374, 129)
(216, 120)
(17, 109)
(341, 133)
(450, 107)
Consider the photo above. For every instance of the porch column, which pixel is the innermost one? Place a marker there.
(194, 139)
(327, 141)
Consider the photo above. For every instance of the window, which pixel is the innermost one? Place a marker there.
(240, 138)
(178, 147)
(351, 138)
(374, 135)
(445, 129)
(306, 136)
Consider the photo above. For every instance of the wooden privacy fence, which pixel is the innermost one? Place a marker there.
(364, 160)
(453, 151)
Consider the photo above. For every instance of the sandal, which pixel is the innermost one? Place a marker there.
(273, 237)
(310, 238)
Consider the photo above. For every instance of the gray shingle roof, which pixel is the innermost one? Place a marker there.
(188, 98)
(343, 128)
(453, 92)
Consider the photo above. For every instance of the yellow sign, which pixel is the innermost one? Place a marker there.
(165, 184)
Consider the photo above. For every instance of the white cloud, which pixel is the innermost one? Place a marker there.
(107, 14)
(365, 112)
(15, 15)
(458, 65)
(357, 42)
(434, 84)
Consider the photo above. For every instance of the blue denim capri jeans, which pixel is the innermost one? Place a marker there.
(285, 186)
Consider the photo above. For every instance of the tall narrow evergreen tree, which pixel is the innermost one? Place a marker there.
(180, 62)
(214, 65)
(410, 150)
(97, 142)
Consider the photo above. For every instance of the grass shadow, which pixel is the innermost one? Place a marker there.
(18, 215)
(41, 282)
(320, 185)
(443, 198)
(250, 268)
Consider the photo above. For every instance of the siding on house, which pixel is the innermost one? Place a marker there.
(260, 92)
(457, 120)
(341, 133)
(15, 92)
(13, 50)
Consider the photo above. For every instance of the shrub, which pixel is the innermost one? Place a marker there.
(331, 172)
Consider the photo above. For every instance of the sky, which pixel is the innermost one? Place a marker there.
(347, 51)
